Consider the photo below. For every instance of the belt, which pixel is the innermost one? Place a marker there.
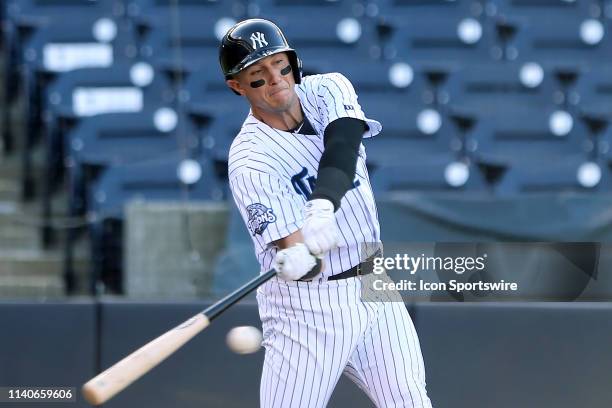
(364, 268)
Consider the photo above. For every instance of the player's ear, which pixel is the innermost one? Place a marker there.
(235, 86)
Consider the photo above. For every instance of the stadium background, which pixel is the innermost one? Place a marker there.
(115, 220)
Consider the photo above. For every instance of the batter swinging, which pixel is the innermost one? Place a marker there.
(297, 173)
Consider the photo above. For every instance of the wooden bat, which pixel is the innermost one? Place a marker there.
(107, 384)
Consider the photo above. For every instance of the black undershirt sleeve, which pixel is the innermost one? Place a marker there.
(338, 163)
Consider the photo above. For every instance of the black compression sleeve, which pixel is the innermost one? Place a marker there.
(339, 160)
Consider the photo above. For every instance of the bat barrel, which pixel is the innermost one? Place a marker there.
(116, 378)
(112, 381)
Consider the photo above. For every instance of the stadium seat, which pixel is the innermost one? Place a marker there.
(114, 139)
(207, 89)
(429, 173)
(419, 82)
(506, 135)
(429, 9)
(181, 36)
(562, 173)
(405, 142)
(83, 93)
(162, 13)
(483, 87)
(96, 91)
(599, 131)
(217, 138)
(46, 36)
(541, 9)
(57, 49)
(154, 180)
(338, 34)
(556, 38)
(456, 39)
(594, 88)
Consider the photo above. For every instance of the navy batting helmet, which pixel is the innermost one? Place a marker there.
(251, 40)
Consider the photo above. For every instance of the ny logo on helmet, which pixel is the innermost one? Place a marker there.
(258, 39)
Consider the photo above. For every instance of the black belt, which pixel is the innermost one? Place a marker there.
(362, 269)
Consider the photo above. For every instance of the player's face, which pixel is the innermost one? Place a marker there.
(268, 84)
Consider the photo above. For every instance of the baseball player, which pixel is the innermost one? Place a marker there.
(298, 176)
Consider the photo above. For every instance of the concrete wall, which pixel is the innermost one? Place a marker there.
(477, 355)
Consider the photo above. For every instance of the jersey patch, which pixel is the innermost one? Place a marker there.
(260, 217)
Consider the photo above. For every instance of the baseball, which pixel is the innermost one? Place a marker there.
(244, 339)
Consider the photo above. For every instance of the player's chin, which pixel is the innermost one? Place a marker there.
(281, 96)
(281, 100)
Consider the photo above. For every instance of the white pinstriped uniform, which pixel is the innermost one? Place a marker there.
(315, 331)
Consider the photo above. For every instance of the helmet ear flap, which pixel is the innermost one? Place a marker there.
(296, 66)
(297, 73)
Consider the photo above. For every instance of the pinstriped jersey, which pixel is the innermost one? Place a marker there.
(272, 173)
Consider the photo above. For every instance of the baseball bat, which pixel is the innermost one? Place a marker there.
(110, 382)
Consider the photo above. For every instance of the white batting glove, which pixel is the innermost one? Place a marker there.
(294, 262)
(320, 231)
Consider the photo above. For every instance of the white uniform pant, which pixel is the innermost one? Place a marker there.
(314, 332)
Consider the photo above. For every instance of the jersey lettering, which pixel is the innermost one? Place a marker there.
(298, 181)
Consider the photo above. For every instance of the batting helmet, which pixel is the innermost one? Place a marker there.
(251, 40)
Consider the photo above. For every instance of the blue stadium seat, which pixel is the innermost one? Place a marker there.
(56, 49)
(412, 10)
(181, 35)
(553, 174)
(43, 37)
(335, 31)
(594, 88)
(425, 174)
(154, 180)
(217, 138)
(150, 180)
(162, 13)
(207, 88)
(187, 47)
(96, 91)
(505, 136)
(540, 9)
(597, 124)
(114, 139)
(390, 148)
(483, 87)
(376, 76)
(552, 36)
(83, 93)
(416, 41)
